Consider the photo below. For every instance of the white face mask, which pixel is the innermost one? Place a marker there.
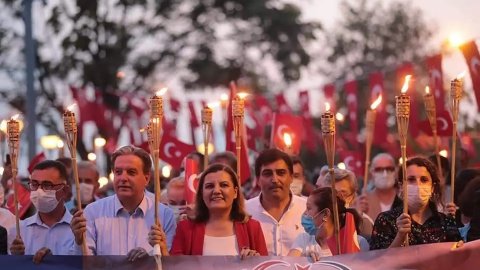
(296, 186)
(418, 196)
(44, 201)
(383, 180)
(86, 193)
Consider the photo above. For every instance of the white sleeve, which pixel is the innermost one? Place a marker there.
(300, 243)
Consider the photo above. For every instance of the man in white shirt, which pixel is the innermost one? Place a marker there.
(119, 224)
(276, 208)
(48, 231)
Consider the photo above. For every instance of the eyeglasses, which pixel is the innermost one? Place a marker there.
(381, 169)
(46, 185)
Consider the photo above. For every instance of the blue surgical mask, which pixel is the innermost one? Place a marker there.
(309, 224)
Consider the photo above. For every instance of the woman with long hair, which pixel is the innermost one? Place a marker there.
(318, 240)
(424, 223)
(220, 226)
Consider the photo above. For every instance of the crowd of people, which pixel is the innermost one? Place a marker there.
(281, 213)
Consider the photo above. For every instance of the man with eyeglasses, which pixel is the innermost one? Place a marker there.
(276, 208)
(384, 195)
(48, 231)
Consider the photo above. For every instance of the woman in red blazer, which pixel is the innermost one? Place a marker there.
(221, 226)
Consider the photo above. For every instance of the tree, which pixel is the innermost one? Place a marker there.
(371, 37)
(131, 45)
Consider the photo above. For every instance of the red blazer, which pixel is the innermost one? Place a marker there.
(189, 237)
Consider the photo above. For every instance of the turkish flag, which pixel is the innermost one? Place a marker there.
(23, 200)
(35, 160)
(138, 105)
(193, 115)
(230, 139)
(472, 56)
(444, 125)
(352, 160)
(282, 105)
(329, 93)
(376, 89)
(434, 67)
(348, 238)
(192, 175)
(174, 105)
(351, 90)
(264, 108)
(309, 136)
(402, 71)
(287, 123)
(173, 151)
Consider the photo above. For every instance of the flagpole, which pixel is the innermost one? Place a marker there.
(70, 126)
(431, 110)
(13, 135)
(456, 91)
(369, 128)
(207, 114)
(328, 131)
(238, 111)
(403, 114)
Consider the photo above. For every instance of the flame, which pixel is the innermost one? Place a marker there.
(340, 117)
(287, 138)
(224, 97)
(405, 84)
(15, 117)
(213, 104)
(443, 153)
(242, 95)
(427, 90)
(161, 91)
(3, 126)
(461, 75)
(71, 107)
(376, 102)
(327, 106)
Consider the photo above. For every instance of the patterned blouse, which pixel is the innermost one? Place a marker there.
(438, 228)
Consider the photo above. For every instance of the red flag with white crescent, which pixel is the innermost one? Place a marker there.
(472, 56)
(191, 179)
(173, 150)
(434, 66)
(287, 123)
(309, 134)
(353, 161)
(444, 125)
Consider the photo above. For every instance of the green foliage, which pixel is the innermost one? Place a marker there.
(371, 37)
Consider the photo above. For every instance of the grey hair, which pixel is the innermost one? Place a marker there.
(340, 175)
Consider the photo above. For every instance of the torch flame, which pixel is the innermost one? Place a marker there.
(427, 90)
(405, 84)
(213, 104)
(327, 106)
(376, 102)
(71, 107)
(224, 97)
(15, 117)
(161, 92)
(287, 138)
(242, 95)
(461, 75)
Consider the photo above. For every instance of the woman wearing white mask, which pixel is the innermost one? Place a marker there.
(423, 224)
(318, 240)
